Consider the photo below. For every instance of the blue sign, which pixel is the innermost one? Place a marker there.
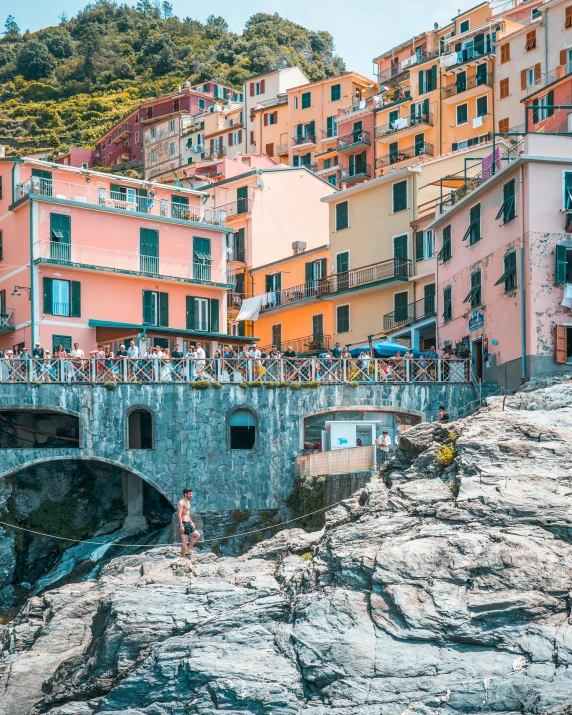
(477, 320)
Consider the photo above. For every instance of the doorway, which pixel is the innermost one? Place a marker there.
(160, 343)
(477, 358)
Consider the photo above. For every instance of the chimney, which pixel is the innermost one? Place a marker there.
(2, 151)
(298, 247)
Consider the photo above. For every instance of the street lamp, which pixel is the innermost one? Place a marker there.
(17, 294)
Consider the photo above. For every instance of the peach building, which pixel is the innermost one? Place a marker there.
(107, 258)
(505, 271)
(285, 322)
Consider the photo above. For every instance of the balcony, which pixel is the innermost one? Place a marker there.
(353, 141)
(108, 260)
(409, 314)
(394, 157)
(6, 319)
(402, 123)
(120, 134)
(242, 207)
(274, 102)
(304, 142)
(130, 201)
(364, 105)
(480, 47)
(282, 150)
(397, 69)
(452, 90)
(234, 300)
(217, 153)
(352, 176)
(305, 344)
(329, 138)
(383, 272)
(327, 170)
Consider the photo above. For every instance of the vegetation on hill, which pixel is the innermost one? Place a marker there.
(68, 84)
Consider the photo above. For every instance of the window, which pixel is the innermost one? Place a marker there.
(137, 119)
(306, 100)
(474, 296)
(201, 103)
(504, 126)
(153, 132)
(314, 270)
(342, 216)
(424, 245)
(331, 127)
(445, 254)
(563, 346)
(473, 233)
(1, 253)
(568, 18)
(242, 200)
(504, 88)
(343, 319)
(482, 75)
(271, 118)
(563, 272)
(543, 107)
(148, 250)
(62, 297)
(419, 144)
(400, 246)
(399, 196)
(336, 92)
(465, 26)
(462, 113)
(149, 112)
(60, 237)
(401, 307)
(172, 125)
(155, 308)
(176, 105)
(508, 208)
(428, 80)
(64, 340)
(180, 207)
(171, 148)
(447, 304)
(140, 429)
(203, 314)
(273, 282)
(530, 41)
(509, 275)
(482, 106)
(393, 152)
(332, 179)
(153, 157)
(202, 258)
(295, 102)
(277, 336)
(136, 137)
(242, 429)
(505, 53)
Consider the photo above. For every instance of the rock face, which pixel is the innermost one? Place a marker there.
(435, 589)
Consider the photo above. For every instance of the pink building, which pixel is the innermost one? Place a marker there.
(107, 258)
(80, 157)
(505, 266)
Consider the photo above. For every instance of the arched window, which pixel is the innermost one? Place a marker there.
(140, 429)
(242, 429)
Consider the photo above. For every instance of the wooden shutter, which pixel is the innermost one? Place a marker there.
(214, 309)
(419, 245)
(309, 271)
(523, 79)
(49, 296)
(191, 311)
(503, 125)
(563, 57)
(252, 137)
(1, 246)
(270, 149)
(275, 122)
(560, 271)
(341, 215)
(252, 89)
(568, 20)
(266, 120)
(550, 99)
(147, 307)
(421, 83)
(312, 128)
(230, 138)
(434, 77)
(164, 310)
(530, 40)
(537, 73)
(240, 136)
(262, 86)
(268, 283)
(324, 265)
(505, 52)
(504, 88)
(560, 344)
(149, 242)
(75, 299)
(296, 160)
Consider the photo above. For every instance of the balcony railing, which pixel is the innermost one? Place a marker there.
(420, 309)
(274, 102)
(404, 123)
(236, 255)
(281, 149)
(392, 269)
(106, 259)
(327, 371)
(304, 344)
(353, 140)
(361, 171)
(236, 208)
(399, 68)
(374, 102)
(394, 157)
(454, 58)
(303, 140)
(6, 319)
(461, 86)
(130, 201)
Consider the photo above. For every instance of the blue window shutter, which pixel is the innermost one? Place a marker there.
(76, 299)
(49, 296)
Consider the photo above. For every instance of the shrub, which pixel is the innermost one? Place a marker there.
(243, 385)
(454, 487)
(295, 385)
(307, 556)
(312, 384)
(452, 437)
(283, 384)
(200, 385)
(216, 385)
(110, 385)
(446, 455)
(354, 384)
(271, 385)
(255, 384)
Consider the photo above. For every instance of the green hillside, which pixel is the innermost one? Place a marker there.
(67, 84)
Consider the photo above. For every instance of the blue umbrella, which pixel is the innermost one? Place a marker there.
(384, 349)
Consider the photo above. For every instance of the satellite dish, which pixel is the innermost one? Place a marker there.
(260, 184)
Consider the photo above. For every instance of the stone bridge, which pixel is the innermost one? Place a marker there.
(189, 432)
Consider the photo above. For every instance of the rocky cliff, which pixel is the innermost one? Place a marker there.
(441, 588)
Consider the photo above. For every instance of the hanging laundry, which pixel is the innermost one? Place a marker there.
(448, 60)
(477, 122)
(567, 299)
(250, 308)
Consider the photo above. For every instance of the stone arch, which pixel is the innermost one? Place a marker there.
(232, 430)
(129, 426)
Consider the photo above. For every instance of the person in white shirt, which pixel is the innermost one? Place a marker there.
(77, 352)
(383, 443)
(200, 361)
(254, 354)
(133, 351)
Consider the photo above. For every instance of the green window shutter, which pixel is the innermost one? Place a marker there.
(312, 128)
(560, 265)
(149, 242)
(142, 201)
(179, 206)
(214, 306)
(342, 217)
(419, 245)
(550, 99)
(190, 312)
(278, 281)
(60, 228)
(447, 304)
(534, 111)
(76, 299)
(164, 310)
(481, 74)
(394, 115)
(268, 283)
(421, 82)
(115, 190)
(308, 271)
(296, 160)
(342, 262)
(352, 165)
(330, 126)
(1, 245)
(298, 131)
(147, 307)
(454, 146)
(568, 190)
(434, 77)
(49, 296)
(400, 306)
(336, 92)
(400, 246)
(399, 196)
(242, 192)
(324, 267)
(64, 340)
(343, 318)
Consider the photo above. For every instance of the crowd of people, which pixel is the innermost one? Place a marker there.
(159, 364)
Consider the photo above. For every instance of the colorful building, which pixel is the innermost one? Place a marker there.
(93, 257)
(505, 264)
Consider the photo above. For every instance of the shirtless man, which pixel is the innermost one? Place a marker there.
(187, 528)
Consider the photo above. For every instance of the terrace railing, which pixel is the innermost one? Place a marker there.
(460, 86)
(119, 261)
(321, 370)
(419, 310)
(404, 123)
(131, 201)
(394, 157)
(354, 139)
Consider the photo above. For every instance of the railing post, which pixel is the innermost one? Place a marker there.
(31, 370)
(375, 370)
(123, 370)
(281, 369)
(439, 370)
(156, 370)
(408, 370)
(187, 370)
(249, 369)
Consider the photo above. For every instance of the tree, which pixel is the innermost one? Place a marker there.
(35, 60)
(63, 17)
(167, 9)
(145, 6)
(11, 27)
(216, 27)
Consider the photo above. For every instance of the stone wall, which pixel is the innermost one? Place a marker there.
(191, 445)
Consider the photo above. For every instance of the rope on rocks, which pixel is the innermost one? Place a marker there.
(157, 546)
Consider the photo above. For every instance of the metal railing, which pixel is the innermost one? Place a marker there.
(374, 102)
(404, 123)
(274, 102)
(394, 157)
(307, 139)
(347, 174)
(392, 269)
(127, 201)
(355, 138)
(459, 86)
(304, 344)
(468, 54)
(6, 318)
(236, 208)
(119, 261)
(323, 370)
(418, 310)
(405, 66)
(282, 149)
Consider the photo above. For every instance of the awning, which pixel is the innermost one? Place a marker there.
(383, 349)
(107, 330)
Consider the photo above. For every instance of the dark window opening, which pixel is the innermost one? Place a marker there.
(140, 430)
(31, 429)
(242, 430)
